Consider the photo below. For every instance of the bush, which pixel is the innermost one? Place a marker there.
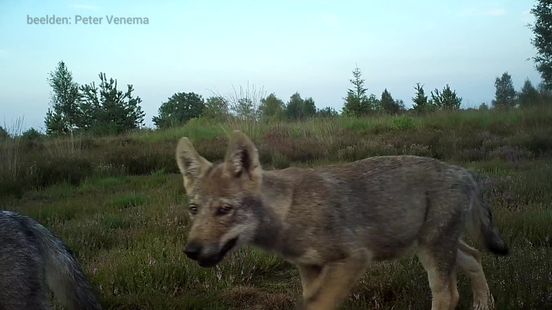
(43, 173)
(136, 158)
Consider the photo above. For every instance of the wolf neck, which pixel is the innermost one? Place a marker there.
(276, 194)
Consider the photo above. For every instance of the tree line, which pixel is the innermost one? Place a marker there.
(104, 109)
(359, 103)
(181, 107)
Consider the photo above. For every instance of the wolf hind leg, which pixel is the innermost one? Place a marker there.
(441, 273)
(469, 261)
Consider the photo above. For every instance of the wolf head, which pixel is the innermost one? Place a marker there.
(223, 198)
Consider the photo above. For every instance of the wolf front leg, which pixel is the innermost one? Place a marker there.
(441, 271)
(333, 283)
(310, 279)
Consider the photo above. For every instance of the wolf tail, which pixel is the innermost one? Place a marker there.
(64, 275)
(480, 223)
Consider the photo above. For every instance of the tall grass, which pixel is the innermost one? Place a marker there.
(10, 159)
(460, 136)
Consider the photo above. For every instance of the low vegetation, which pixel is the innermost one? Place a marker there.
(119, 204)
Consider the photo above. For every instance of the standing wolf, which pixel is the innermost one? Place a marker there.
(332, 221)
(32, 259)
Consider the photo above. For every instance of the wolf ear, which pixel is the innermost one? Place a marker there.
(190, 163)
(242, 157)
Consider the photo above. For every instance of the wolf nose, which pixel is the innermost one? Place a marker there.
(192, 250)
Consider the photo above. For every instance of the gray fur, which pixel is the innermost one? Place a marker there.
(331, 221)
(33, 260)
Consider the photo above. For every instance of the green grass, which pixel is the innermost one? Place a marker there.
(125, 216)
(130, 243)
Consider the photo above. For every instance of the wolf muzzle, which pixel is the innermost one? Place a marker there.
(206, 257)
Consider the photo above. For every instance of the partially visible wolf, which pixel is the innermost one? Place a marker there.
(332, 221)
(33, 260)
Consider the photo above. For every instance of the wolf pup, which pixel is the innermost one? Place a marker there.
(332, 221)
(32, 259)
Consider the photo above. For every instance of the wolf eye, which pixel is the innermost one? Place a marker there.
(193, 208)
(224, 209)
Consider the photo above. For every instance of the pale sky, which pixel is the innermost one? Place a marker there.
(213, 47)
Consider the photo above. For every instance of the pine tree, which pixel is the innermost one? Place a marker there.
(446, 100)
(505, 95)
(529, 95)
(543, 40)
(356, 102)
(112, 110)
(421, 102)
(389, 105)
(63, 116)
(374, 103)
